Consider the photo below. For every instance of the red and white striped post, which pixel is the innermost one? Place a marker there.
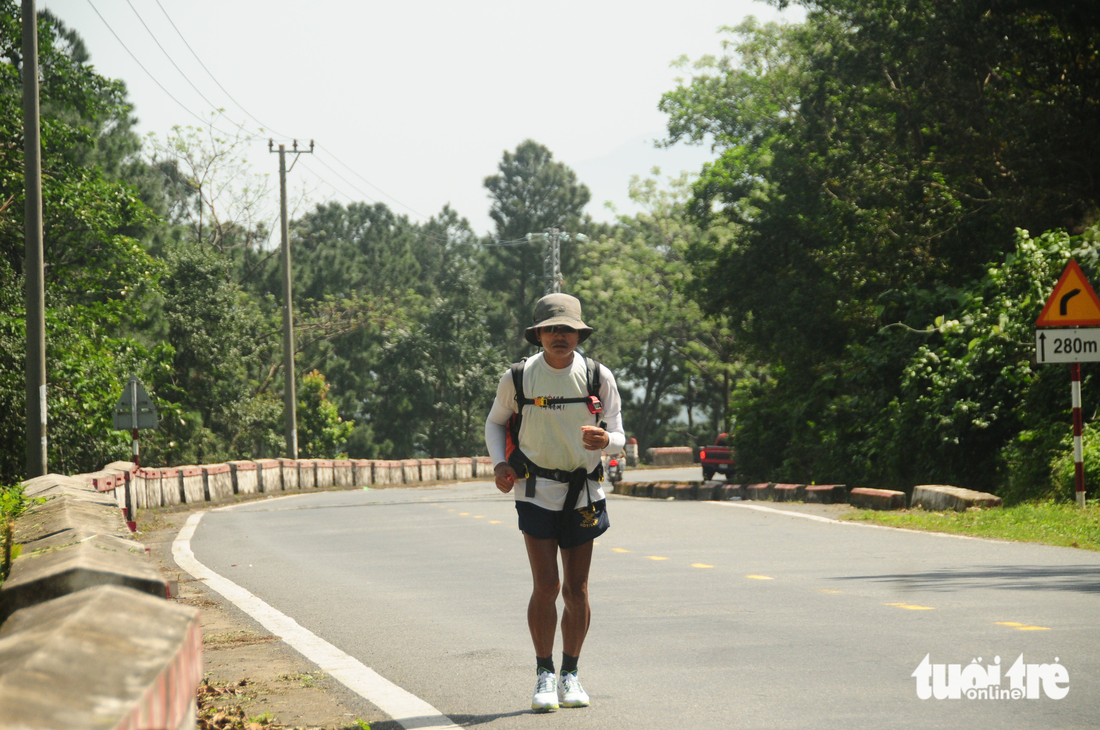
(131, 503)
(1078, 449)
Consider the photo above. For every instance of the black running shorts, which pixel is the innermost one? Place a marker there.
(570, 530)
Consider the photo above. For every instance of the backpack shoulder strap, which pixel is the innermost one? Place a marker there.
(517, 381)
(592, 376)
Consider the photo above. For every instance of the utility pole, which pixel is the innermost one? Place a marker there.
(34, 263)
(290, 403)
(551, 262)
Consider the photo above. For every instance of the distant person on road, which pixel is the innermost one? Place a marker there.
(547, 435)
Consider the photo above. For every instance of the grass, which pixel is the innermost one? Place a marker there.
(1050, 523)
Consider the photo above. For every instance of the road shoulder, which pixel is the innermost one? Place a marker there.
(245, 666)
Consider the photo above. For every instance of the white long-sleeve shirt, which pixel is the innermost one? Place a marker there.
(552, 437)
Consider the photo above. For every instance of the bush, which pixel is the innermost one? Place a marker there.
(1064, 482)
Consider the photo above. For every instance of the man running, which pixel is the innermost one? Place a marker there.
(569, 411)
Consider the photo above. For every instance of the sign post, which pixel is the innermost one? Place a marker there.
(1068, 331)
(134, 411)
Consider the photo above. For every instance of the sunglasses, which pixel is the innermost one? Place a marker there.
(559, 329)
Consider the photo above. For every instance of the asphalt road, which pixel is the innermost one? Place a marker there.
(705, 615)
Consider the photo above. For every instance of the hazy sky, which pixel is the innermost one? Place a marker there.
(418, 99)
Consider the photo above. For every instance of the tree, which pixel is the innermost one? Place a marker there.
(876, 158)
(440, 376)
(220, 343)
(637, 286)
(211, 188)
(321, 432)
(530, 193)
(98, 275)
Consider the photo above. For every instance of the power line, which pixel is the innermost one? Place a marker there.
(248, 136)
(255, 119)
(368, 182)
(153, 78)
(211, 75)
(176, 66)
(369, 198)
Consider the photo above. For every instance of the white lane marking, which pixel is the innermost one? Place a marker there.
(408, 710)
(817, 518)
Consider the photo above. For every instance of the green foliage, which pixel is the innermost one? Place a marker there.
(98, 275)
(217, 345)
(439, 376)
(321, 432)
(636, 287)
(1064, 488)
(875, 162)
(530, 193)
(12, 504)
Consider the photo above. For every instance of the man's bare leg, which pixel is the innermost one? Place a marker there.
(542, 610)
(577, 614)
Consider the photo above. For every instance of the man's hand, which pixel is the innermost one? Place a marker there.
(506, 476)
(595, 438)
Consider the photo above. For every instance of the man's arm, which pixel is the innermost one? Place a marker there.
(612, 412)
(496, 434)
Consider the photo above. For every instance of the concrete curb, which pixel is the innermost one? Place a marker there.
(942, 498)
(725, 492)
(88, 639)
(879, 499)
(104, 657)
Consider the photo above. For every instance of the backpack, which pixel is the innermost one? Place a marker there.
(592, 400)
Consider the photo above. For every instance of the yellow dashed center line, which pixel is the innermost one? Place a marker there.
(655, 557)
(494, 522)
(911, 607)
(760, 577)
(701, 565)
(619, 550)
(479, 517)
(463, 514)
(1021, 627)
(827, 590)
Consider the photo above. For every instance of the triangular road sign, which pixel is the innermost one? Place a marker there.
(124, 409)
(1073, 303)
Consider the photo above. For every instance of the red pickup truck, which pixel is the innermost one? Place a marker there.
(717, 458)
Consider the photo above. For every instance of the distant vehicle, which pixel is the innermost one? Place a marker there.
(717, 459)
(614, 467)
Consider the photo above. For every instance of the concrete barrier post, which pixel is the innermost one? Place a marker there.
(171, 488)
(218, 481)
(343, 473)
(325, 474)
(484, 467)
(429, 471)
(670, 456)
(194, 488)
(245, 477)
(363, 470)
(307, 474)
(446, 469)
(269, 475)
(290, 475)
(410, 471)
(149, 480)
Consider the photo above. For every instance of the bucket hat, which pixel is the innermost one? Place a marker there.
(554, 309)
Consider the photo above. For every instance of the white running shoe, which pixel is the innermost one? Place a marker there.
(546, 693)
(572, 693)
